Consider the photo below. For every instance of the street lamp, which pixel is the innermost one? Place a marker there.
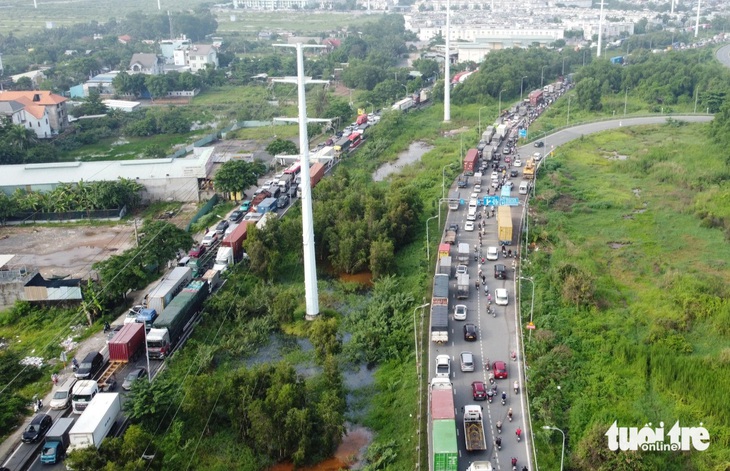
(626, 98)
(480, 119)
(522, 81)
(415, 336)
(499, 110)
(443, 178)
(532, 300)
(563, 72)
(562, 455)
(567, 120)
(697, 95)
(542, 75)
(428, 240)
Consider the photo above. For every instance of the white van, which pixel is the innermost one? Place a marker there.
(62, 397)
(524, 186)
(472, 215)
(84, 392)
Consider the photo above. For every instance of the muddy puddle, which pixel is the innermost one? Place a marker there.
(413, 154)
(349, 454)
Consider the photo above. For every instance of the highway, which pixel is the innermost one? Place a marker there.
(723, 55)
(498, 336)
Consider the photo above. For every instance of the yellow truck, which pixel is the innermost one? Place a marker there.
(504, 225)
(528, 172)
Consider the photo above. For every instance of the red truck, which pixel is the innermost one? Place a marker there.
(535, 97)
(259, 198)
(470, 161)
(235, 239)
(124, 346)
(362, 119)
(316, 173)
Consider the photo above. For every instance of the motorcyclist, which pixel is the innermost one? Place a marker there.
(516, 386)
(504, 396)
(499, 426)
(514, 461)
(509, 414)
(518, 432)
(498, 441)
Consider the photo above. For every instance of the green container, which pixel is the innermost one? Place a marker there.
(445, 451)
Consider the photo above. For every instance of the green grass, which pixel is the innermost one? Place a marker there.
(312, 23)
(648, 341)
(132, 148)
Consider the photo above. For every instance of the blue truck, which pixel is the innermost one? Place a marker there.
(266, 206)
(54, 448)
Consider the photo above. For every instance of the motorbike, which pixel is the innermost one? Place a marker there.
(509, 414)
(514, 464)
(504, 398)
(519, 434)
(498, 442)
(517, 388)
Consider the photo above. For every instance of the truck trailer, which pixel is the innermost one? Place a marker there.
(462, 286)
(163, 293)
(57, 441)
(95, 423)
(480, 466)
(474, 428)
(443, 426)
(231, 250)
(463, 256)
(470, 161)
(316, 172)
(445, 266)
(125, 345)
(170, 326)
(504, 225)
(440, 323)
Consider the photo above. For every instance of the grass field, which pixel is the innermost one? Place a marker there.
(631, 294)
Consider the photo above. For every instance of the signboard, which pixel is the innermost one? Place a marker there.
(531, 326)
(500, 201)
(523, 132)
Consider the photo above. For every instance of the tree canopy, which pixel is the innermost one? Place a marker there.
(237, 175)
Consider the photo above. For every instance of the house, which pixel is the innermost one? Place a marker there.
(146, 63)
(125, 39)
(42, 111)
(39, 289)
(196, 56)
(168, 47)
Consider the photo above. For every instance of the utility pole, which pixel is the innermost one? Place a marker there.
(447, 66)
(600, 30)
(310, 263)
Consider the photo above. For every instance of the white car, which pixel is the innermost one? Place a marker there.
(495, 176)
(477, 188)
(443, 366)
(517, 163)
(475, 196)
(461, 270)
(460, 312)
(500, 297)
(469, 226)
(537, 156)
(492, 253)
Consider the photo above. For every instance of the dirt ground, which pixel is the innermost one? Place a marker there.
(64, 250)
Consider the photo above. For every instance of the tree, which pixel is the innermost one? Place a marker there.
(157, 85)
(24, 83)
(237, 175)
(92, 105)
(429, 68)
(588, 92)
(282, 146)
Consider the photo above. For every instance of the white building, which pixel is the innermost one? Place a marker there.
(195, 57)
(145, 63)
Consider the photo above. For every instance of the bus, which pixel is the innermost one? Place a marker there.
(355, 139)
(294, 168)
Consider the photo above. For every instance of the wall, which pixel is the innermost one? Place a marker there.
(177, 189)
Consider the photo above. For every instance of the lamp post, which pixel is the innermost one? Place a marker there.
(480, 119)
(563, 72)
(499, 109)
(532, 300)
(562, 454)
(443, 178)
(418, 379)
(428, 240)
(697, 95)
(542, 75)
(522, 82)
(626, 99)
(415, 337)
(567, 120)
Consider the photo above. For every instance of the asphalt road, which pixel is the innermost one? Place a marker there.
(498, 336)
(723, 55)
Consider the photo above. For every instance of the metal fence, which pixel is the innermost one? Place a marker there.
(203, 211)
(28, 217)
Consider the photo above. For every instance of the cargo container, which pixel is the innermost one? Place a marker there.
(125, 345)
(97, 420)
(170, 326)
(442, 399)
(403, 104)
(57, 441)
(444, 448)
(535, 97)
(235, 240)
(440, 323)
(462, 286)
(441, 289)
(163, 293)
(445, 266)
(504, 225)
(470, 161)
(267, 205)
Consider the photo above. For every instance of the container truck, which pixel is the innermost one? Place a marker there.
(123, 348)
(445, 266)
(502, 131)
(96, 421)
(57, 441)
(231, 250)
(267, 205)
(504, 225)
(480, 466)
(163, 293)
(463, 256)
(441, 290)
(470, 161)
(84, 391)
(462, 286)
(454, 201)
(488, 134)
(474, 428)
(440, 323)
(445, 451)
(316, 172)
(170, 326)
(223, 259)
(403, 104)
(535, 97)
(442, 399)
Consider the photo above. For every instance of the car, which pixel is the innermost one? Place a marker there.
(236, 216)
(253, 216)
(37, 428)
(221, 227)
(245, 206)
(479, 391)
(460, 312)
(500, 271)
(495, 176)
(210, 238)
(197, 251)
(514, 173)
(470, 332)
(505, 151)
(507, 160)
(472, 216)
(537, 156)
(443, 366)
(507, 184)
(500, 370)
(467, 361)
(501, 168)
(453, 227)
(469, 226)
(474, 196)
(539, 144)
(500, 297)
(461, 269)
(517, 163)
(133, 376)
(477, 188)
(492, 253)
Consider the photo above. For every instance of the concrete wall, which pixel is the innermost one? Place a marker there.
(177, 189)
(11, 292)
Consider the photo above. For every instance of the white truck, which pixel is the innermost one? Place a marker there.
(480, 466)
(463, 256)
(83, 392)
(96, 421)
(163, 293)
(474, 428)
(223, 259)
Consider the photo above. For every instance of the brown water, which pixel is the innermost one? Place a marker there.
(348, 454)
(413, 154)
(363, 278)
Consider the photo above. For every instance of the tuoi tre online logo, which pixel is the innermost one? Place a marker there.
(655, 439)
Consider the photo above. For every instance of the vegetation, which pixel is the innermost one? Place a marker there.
(629, 247)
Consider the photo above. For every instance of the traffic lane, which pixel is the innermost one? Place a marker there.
(723, 55)
(24, 453)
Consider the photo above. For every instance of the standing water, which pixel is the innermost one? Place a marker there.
(413, 154)
(349, 454)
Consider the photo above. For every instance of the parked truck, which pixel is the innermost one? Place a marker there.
(470, 161)
(462, 286)
(231, 250)
(463, 256)
(96, 422)
(163, 293)
(474, 428)
(443, 426)
(316, 172)
(440, 309)
(170, 326)
(504, 225)
(56, 444)
(124, 347)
